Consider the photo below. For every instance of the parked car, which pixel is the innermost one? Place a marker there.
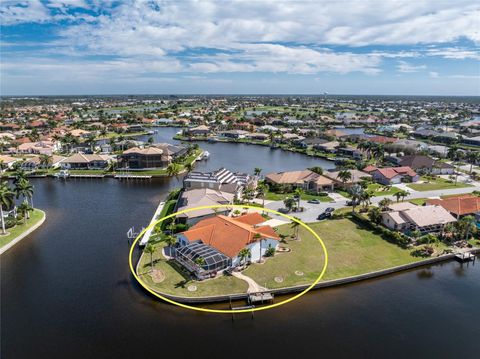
(324, 215)
(352, 202)
(314, 201)
(330, 210)
(283, 210)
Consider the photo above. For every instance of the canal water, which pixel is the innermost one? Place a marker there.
(66, 291)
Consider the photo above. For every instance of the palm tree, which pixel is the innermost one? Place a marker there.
(24, 208)
(289, 203)
(298, 195)
(6, 199)
(473, 157)
(169, 240)
(150, 249)
(295, 225)
(200, 261)
(173, 169)
(344, 176)
(19, 175)
(257, 237)
(384, 203)
(378, 151)
(257, 171)
(244, 254)
(365, 198)
(262, 189)
(356, 192)
(46, 161)
(25, 189)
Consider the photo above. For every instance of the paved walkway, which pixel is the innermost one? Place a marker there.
(253, 286)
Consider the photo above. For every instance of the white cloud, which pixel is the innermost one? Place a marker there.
(434, 75)
(404, 66)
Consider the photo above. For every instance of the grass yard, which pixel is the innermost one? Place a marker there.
(14, 232)
(380, 190)
(352, 250)
(176, 283)
(438, 183)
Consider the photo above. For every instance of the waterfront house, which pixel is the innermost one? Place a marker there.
(202, 197)
(459, 206)
(6, 162)
(306, 179)
(158, 155)
(201, 130)
(86, 161)
(356, 177)
(235, 134)
(39, 147)
(33, 163)
(330, 147)
(392, 175)
(407, 217)
(216, 242)
(220, 180)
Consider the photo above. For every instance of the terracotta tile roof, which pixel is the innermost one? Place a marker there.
(391, 172)
(459, 205)
(252, 219)
(370, 168)
(227, 234)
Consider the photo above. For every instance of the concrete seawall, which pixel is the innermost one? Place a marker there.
(24, 234)
(322, 284)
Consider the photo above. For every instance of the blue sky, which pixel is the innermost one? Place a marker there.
(343, 47)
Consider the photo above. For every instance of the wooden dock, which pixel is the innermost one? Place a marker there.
(260, 297)
(86, 176)
(128, 177)
(465, 257)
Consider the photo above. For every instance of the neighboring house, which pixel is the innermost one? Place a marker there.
(308, 180)
(473, 141)
(350, 151)
(201, 130)
(33, 163)
(220, 180)
(258, 136)
(463, 205)
(40, 147)
(407, 217)
(6, 162)
(328, 146)
(202, 197)
(237, 134)
(156, 156)
(356, 177)
(425, 164)
(392, 175)
(218, 241)
(86, 161)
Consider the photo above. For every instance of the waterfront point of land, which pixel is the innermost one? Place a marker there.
(21, 230)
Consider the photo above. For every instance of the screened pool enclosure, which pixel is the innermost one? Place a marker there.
(201, 260)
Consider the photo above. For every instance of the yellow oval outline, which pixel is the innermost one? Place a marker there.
(227, 311)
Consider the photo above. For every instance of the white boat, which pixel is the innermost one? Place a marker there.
(63, 174)
(206, 155)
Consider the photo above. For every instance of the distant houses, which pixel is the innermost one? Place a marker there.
(392, 175)
(424, 164)
(356, 177)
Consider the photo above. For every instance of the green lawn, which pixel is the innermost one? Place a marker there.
(380, 190)
(352, 250)
(436, 184)
(272, 196)
(14, 232)
(176, 283)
